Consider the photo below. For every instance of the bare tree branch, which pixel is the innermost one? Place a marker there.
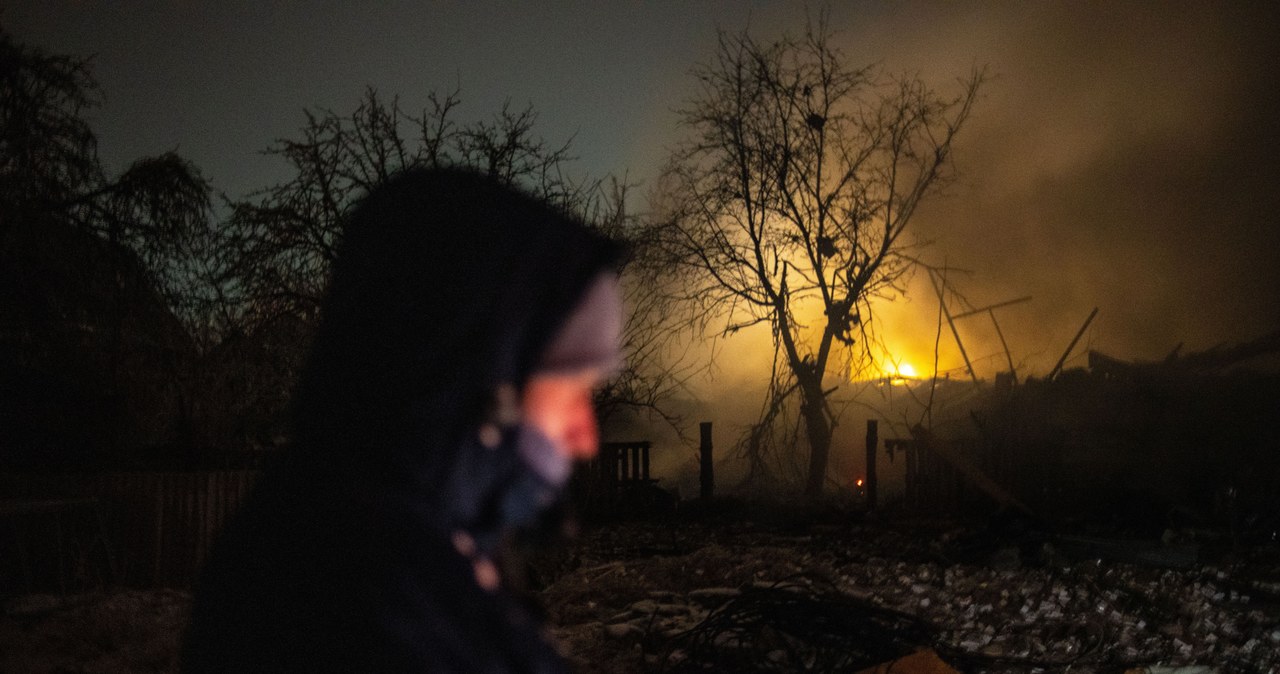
(791, 195)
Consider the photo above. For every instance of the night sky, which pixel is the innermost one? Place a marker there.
(1123, 156)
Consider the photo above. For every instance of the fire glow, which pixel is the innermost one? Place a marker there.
(899, 373)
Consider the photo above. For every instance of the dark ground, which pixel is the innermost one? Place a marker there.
(815, 591)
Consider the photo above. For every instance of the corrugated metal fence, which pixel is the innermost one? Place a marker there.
(144, 529)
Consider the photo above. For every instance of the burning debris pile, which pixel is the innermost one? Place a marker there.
(1151, 489)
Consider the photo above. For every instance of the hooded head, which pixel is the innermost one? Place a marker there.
(450, 292)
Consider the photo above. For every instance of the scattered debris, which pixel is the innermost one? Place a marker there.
(99, 633)
(766, 599)
(922, 596)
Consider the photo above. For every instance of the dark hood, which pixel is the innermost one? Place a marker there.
(447, 288)
(448, 284)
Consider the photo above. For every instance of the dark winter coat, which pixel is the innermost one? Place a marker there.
(447, 286)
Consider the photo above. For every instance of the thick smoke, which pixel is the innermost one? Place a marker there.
(1123, 157)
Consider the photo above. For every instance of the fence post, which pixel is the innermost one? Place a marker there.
(707, 473)
(159, 549)
(644, 461)
(873, 442)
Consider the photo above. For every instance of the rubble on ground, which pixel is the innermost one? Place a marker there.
(707, 598)
(782, 597)
(132, 631)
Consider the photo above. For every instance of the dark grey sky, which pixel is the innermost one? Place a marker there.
(1125, 156)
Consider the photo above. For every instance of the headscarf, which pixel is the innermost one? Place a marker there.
(449, 290)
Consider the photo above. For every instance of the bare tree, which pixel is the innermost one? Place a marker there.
(657, 337)
(49, 168)
(285, 237)
(103, 263)
(790, 198)
(48, 153)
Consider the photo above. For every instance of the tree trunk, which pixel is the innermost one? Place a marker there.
(818, 426)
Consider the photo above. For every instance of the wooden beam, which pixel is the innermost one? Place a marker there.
(1058, 368)
(989, 307)
(942, 301)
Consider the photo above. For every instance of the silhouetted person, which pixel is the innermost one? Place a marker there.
(447, 392)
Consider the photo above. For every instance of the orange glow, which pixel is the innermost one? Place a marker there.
(859, 482)
(888, 369)
(898, 372)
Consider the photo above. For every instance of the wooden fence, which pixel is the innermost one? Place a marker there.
(933, 485)
(145, 529)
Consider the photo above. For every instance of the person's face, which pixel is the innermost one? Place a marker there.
(559, 406)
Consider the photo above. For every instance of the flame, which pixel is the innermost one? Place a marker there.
(898, 372)
(888, 368)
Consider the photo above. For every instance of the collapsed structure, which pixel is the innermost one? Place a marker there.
(1186, 441)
